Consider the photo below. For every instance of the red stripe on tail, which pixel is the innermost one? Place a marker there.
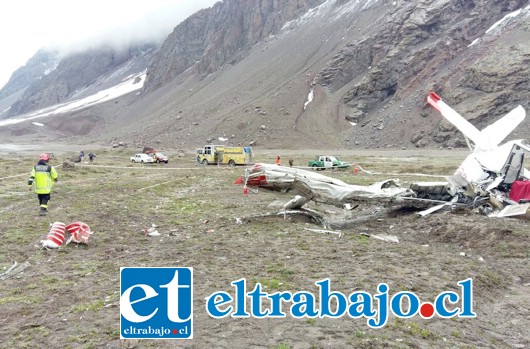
(433, 100)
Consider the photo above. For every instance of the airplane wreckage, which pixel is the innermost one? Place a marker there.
(491, 180)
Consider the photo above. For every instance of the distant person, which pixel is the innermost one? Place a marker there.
(91, 157)
(81, 156)
(278, 160)
(42, 178)
(291, 162)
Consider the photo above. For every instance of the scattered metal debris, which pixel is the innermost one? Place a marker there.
(322, 231)
(56, 236)
(151, 231)
(385, 237)
(14, 270)
(79, 233)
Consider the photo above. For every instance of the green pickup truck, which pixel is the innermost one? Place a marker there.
(325, 161)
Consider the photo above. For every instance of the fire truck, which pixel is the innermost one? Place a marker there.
(220, 154)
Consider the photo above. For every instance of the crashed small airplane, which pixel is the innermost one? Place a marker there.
(491, 179)
(493, 175)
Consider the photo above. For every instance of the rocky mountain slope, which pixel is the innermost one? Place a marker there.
(216, 36)
(73, 76)
(43, 62)
(308, 73)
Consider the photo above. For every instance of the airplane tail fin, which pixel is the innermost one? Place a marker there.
(457, 120)
(489, 137)
(500, 129)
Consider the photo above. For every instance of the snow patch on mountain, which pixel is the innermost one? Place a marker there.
(130, 84)
(501, 23)
(499, 26)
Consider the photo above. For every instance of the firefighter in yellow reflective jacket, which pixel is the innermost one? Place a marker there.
(43, 176)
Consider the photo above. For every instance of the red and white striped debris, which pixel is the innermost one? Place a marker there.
(56, 236)
(80, 232)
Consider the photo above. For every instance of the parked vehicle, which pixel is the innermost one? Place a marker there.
(220, 154)
(159, 157)
(142, 158)
(326, 161)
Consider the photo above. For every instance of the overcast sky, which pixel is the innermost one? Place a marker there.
(28, 25)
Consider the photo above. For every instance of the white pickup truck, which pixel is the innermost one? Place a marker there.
(142, 158)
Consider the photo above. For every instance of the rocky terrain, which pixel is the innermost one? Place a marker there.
(293, 73)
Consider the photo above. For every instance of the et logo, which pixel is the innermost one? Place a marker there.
(156, 303)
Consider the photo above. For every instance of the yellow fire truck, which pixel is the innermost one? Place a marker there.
(220, 154)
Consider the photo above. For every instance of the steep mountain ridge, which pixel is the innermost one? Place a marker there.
(43, 62)
(78, 71)
(215, 36)
(37, 66)
(336, 73)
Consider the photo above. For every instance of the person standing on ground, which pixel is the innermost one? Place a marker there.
(81, 156)
(91, 157)
(278, 160)
(42, 178)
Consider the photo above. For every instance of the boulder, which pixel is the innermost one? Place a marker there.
(68, 165)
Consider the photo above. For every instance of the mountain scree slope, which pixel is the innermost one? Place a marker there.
(293, 74)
